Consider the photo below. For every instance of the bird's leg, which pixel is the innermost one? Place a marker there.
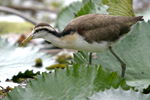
(123, 65)
(90, 58)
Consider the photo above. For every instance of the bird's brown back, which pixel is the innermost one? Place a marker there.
(101, 27)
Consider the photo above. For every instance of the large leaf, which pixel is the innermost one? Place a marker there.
(14, 59)
(134, 50)
(72, 83)
(67, 14)
(119, 94)
(120, 7)
(91, 7)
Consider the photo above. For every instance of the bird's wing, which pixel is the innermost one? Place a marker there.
(101, 27)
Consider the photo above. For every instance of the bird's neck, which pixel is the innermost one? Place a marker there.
(49, 37)
(55, 38)
(62, 40)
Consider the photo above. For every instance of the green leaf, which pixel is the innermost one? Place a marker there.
(76, 82)
(67, 14)
(119, 94)
(134, 50)
(26, 74)
(80, 57)
(95, 1)
(120, 7)
(91, 7)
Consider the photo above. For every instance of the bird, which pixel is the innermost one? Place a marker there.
(92, 33)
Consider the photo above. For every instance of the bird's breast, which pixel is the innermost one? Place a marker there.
(77, 42)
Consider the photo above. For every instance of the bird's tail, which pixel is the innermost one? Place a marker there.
(135, 19)
(139, 18)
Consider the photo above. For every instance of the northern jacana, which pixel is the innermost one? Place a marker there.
(90, 33)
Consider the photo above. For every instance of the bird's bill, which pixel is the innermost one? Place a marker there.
(26, 40)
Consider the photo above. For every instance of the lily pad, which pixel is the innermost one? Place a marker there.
(67, 14)
(119, 94)
(14, 59)
(92, 7)
(76, 82)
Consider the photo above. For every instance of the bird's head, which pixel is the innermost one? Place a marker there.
(40, 31)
